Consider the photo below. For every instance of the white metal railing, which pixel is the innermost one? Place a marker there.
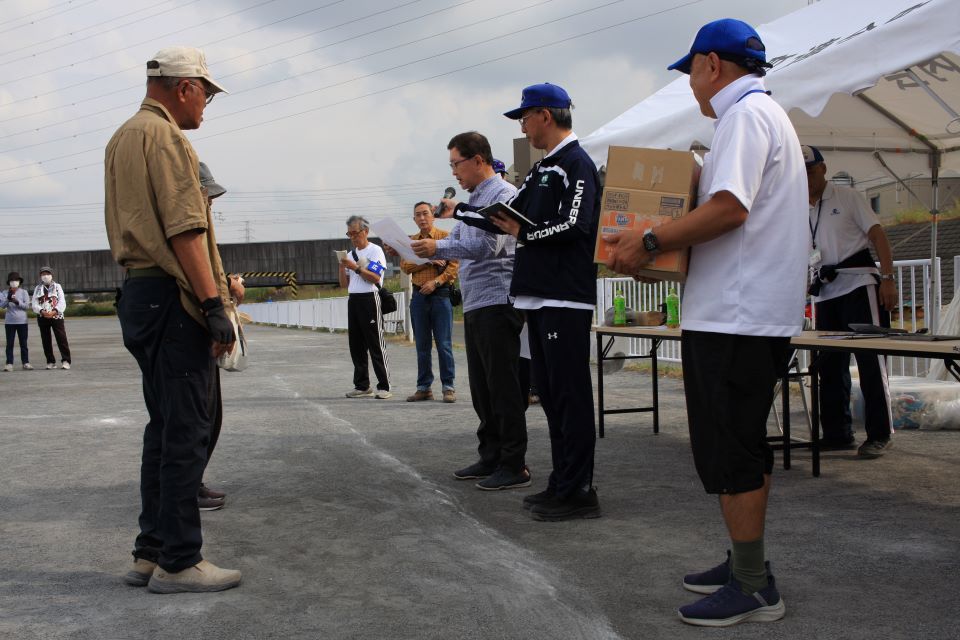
(913, 293)
(320, 313)
(641, 297)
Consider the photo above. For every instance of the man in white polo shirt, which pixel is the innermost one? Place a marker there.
(848, 288)
(742, 302)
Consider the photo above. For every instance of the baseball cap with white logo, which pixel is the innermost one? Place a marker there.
(182, 62)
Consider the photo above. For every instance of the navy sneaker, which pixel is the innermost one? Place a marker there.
(712, 580)
(505, 479)
(730, 605)
(475, 471)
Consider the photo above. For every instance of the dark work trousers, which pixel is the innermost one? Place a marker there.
(179, 382)
(365, 331)
(524, 374)
(216, 410)
(56, 325)
(858, 306)
(492, 339)
(20, 332)
(560, 367)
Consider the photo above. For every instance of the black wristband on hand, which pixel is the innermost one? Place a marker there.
(210, 304)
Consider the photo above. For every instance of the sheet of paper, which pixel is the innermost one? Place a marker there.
(390, 232)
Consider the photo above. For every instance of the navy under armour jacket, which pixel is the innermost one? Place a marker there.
(561, 197)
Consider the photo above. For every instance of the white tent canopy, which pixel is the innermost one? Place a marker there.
(855, 75)
(875, 84)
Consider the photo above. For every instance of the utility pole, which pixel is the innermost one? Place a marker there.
(247, 234)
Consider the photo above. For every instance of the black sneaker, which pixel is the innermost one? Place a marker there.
(580, 504)
(210, 504)
(874, 448)
(505, 479)
(537, 498)
(476, 471)
(838, 444)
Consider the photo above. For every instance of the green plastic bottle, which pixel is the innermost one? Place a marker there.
(619, 308)
(673, 309)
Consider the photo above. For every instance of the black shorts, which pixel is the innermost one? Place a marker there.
(729, 382)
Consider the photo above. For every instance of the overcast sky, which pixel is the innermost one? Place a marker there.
(336, 107)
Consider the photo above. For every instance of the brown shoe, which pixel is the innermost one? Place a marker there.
(210, 504)
(200, 578)
(449, 395)
(420, 396)
(140, 572)
(207, 492)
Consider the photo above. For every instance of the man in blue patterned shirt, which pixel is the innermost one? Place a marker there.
(491, 325)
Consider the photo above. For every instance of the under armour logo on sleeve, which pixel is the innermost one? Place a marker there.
(552, 336)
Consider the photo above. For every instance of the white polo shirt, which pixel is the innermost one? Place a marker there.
(752, 280)
(370, 253)
(845, 219)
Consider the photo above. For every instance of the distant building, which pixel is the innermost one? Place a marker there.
(890, 198)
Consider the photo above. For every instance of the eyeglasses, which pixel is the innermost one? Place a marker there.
(523, 119)
(453, 165)
(209, 95)
(354, 234)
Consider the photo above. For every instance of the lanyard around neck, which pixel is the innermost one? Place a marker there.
(813, 228)
(751, 91)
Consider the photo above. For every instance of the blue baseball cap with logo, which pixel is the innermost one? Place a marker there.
(730, 39)
(498, 166)
(546, 95)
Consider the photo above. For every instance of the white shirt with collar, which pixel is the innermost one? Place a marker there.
(752, 280)
(845, 219)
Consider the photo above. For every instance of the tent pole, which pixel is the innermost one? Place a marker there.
(934, 320)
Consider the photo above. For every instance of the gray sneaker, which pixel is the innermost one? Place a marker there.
(874, 448)
(360, 393)
(383, 394)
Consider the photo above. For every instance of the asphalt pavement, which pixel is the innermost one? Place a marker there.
(346, 522)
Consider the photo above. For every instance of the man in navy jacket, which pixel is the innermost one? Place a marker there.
(554, 282)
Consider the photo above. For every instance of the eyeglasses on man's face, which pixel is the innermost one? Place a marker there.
(208, 95)
(529, 114)
(356, 233)
(453, 165)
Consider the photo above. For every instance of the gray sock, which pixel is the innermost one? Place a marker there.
(747, 565)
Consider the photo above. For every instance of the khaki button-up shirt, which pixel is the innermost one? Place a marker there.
(152, 193)
(421, 274)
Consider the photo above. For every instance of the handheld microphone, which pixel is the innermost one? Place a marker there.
(448, 193)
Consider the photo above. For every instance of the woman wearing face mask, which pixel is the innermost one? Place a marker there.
(16, 301)
(49, 304)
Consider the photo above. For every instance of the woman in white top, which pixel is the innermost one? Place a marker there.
(361, 272)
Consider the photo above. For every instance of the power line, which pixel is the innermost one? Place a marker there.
(59, 13)
(154, 39)
(72, 33)
(282, 59)
(458, 49)
(395, 87)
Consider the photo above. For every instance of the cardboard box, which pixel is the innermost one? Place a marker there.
(645, 188)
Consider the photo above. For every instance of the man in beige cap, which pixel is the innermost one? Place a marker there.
(171, 313)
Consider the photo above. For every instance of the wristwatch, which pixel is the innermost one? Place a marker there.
(887, 276)
(650, 242)
(357, 270)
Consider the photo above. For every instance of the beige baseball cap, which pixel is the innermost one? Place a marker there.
(182, 62)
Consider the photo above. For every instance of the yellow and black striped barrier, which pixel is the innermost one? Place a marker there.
(289, 276)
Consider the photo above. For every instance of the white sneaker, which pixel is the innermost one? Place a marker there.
(65, 365)
(51, 365)
(8, 367)
(383, 395)
(27, 366)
